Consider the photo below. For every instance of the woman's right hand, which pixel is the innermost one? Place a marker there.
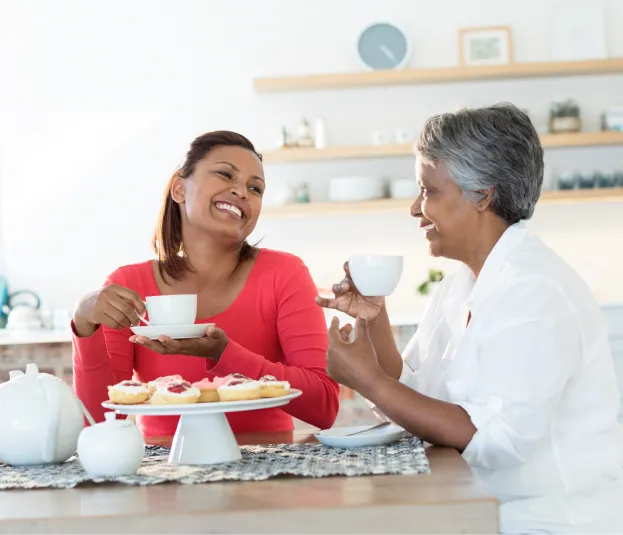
(113, 306)
(348, 299)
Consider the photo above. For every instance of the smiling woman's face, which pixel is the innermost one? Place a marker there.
(449, 220)
(223, 196)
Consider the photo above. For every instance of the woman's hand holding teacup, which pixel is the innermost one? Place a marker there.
(113, 306)
(350, 301)
(209, 346)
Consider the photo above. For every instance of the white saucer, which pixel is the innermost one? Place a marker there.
(336, 438)
(152, 332)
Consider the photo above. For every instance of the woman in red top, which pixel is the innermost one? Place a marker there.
(261, 301)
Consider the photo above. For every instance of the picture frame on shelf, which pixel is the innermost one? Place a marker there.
(485, 45)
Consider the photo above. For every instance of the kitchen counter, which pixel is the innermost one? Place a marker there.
(45, 336)
(448, 500)
(50, 350)
(41, 336)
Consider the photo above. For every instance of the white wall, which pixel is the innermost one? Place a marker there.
(2, 261)
(99, 101)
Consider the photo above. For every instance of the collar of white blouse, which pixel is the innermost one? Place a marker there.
(465, 294)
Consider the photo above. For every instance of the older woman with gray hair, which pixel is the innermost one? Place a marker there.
(511, 363)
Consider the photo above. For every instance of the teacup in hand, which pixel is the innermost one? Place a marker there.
(172, 309)
(375, 275)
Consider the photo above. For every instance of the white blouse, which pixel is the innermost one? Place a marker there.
(534, 372)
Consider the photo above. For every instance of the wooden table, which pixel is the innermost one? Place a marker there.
(448, 500)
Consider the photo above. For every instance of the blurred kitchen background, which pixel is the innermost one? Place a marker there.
(99, 101)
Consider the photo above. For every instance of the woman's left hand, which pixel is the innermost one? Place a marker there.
(209, 346)
(352, 363)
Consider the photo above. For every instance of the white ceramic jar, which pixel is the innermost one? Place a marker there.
(40, 418)
(111, 448)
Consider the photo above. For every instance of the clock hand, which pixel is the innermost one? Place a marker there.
(388, 53)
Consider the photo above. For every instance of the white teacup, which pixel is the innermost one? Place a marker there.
(375, 275)
(172, 309)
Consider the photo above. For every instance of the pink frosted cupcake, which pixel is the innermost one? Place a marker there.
(174, 393)
(271, 388)
(237, 387)
(209, 389)
(128, 393)
(160, 381)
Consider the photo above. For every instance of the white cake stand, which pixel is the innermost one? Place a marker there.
(203, 434)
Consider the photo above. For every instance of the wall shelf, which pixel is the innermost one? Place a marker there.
(436, 75)
(580, 139)
(308, 210)
(336, 153)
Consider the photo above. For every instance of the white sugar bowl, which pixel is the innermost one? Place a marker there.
(111, 448)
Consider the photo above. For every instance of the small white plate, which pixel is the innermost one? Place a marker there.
(172, 331)
(336, 438)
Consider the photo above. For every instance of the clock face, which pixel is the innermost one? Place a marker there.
(383, 46)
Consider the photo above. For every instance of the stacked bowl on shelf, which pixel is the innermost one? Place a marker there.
(356, 188)
(368, 188)
(589, 180)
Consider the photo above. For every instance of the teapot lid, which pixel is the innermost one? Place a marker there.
(32, 370)
(111, 421)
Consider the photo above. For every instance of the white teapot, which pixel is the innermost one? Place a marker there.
(40, 418)
(111, 448)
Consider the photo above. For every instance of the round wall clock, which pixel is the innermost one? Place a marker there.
(383, 46)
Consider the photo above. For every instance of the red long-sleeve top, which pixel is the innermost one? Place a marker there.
(274, 327)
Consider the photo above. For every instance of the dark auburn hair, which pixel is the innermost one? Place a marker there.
(167, 242)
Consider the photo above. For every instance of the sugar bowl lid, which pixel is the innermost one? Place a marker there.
(112, 422)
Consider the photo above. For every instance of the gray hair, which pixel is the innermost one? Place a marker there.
(494, 148)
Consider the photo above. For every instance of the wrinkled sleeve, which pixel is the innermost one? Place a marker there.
(408, 376)
(100, 360)
(412, 354)
(411, 362)
(524, 367)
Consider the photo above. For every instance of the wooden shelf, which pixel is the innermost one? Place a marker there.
(337, 153)
(436, 75)
(580, 139)
(290, 211)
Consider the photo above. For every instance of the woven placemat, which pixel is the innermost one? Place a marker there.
(406, 456)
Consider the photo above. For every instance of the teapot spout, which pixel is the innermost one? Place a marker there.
(13, 374)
